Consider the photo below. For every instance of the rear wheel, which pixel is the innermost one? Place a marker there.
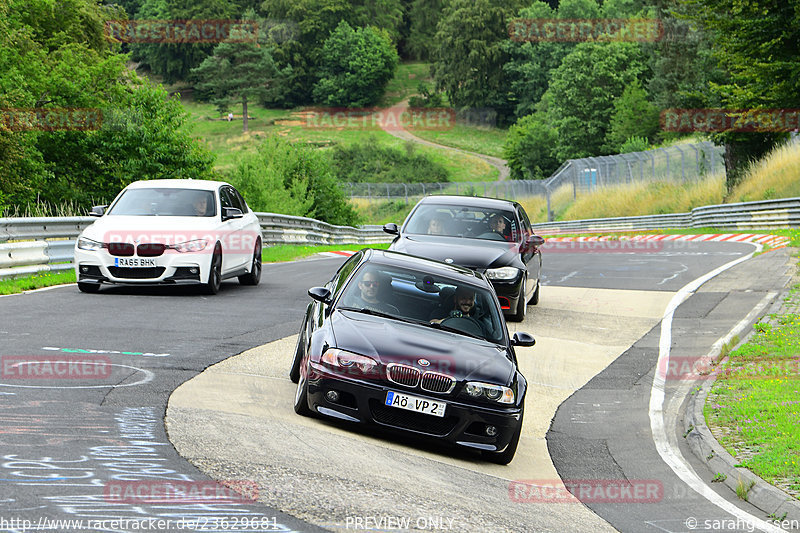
(214, 273)
(88, 287)
(505, 457)
(254, 276)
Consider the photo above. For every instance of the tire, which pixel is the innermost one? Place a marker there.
(214, 273)
(301, 398)
(254, 276)
(505, 457)
(299, 352)
(519, 314)
(535, 298)
(90, 288)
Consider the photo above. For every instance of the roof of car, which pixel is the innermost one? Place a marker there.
(386, 257)
(205, 185)
(468, 201)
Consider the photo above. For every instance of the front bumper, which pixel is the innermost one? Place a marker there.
(363, 402)
(169, 268)
(508, 294)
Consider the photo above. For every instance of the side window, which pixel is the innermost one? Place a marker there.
(225, 197)
(344, 273)
(526, 223)
(237, 199)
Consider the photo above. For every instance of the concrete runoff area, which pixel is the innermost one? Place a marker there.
(235, 421)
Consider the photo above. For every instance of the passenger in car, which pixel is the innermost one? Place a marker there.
(372, 287)
(436, 226)
(497, 223)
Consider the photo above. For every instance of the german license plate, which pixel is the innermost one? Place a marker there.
(135, 262)
(412, 403)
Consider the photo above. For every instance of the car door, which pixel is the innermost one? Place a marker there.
(529, 253)
(233, 257)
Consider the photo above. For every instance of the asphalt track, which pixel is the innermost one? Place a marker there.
(62, 440)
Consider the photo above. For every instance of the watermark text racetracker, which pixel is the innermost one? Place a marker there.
(583, 30)
(395, 118)
(182, 31)
(51, 119)
(183, 492)
(55, 367)
(586, 491)
(603, 246)
(124, 242)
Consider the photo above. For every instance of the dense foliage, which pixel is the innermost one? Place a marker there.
(371, 162)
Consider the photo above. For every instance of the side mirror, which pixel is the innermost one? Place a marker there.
(231, 212)
(320, 294)
(391, 228)
(522, 339)
(98, 211)
(534, 240)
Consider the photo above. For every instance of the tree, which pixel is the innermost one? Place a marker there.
(633, 116)
(240, 71)
(423, 16)
(355, 66)
(529, 148)
(174, 61)
(757, 43)
(470, 53)
(580, 99)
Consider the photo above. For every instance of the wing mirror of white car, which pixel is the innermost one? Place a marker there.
(391, 228)
(231, 212)
(320, 294)
(98, 211)
(522, 339)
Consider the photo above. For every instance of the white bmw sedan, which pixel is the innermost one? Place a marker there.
(171, 232)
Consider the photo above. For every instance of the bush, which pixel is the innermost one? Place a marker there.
(355, 66)
(293, 180)
(371, 162)
(634, 144)
(529, 148)
(426, 98)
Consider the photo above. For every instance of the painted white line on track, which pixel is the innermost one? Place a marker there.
(670, 453)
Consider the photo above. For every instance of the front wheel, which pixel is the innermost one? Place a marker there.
(254, 276)
(535, 298)
(301, 398)
(214, 273)
(299, 352)
(519, 314)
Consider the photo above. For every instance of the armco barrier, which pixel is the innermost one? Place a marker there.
(30, 245)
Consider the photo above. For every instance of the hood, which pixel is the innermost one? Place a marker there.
(150, 229)
(477, 254)
(391, 341)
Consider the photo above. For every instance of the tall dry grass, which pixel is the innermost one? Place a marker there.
(775, 176)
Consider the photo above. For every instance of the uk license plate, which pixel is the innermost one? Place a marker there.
(135, 262)
(413, 403)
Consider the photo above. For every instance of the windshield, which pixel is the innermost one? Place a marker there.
(434, 301)
(165, 203)
(461, 221)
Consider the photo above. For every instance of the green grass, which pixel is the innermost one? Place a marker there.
(753, 405)
(405, 82)
(291, 252)
(483, 140)
(36, 281)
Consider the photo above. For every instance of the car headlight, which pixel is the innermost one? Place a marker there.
(503, 273)
(496, 393)
(89, 244)
(190, 246)
(344, 360)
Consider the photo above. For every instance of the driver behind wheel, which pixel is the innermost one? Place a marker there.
(463, 306)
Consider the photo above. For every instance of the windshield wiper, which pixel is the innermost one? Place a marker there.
(438, 325)
(375, 312)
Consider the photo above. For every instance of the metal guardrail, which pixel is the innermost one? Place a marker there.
(30, 245)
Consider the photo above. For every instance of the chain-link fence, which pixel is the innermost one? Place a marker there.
(685, 162)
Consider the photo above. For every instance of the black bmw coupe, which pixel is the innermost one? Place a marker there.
(412, 345)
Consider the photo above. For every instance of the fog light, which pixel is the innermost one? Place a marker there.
(193, 270)
(491, 431)
(332, 396)
(84, 269)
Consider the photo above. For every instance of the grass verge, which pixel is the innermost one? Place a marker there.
(37, 281)
(753, 408)
(290, 252)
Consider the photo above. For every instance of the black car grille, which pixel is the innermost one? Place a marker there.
(436, 382)
(405, 375)
(400, 418)
(136, 273)
(150, 250)
(121, 249)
